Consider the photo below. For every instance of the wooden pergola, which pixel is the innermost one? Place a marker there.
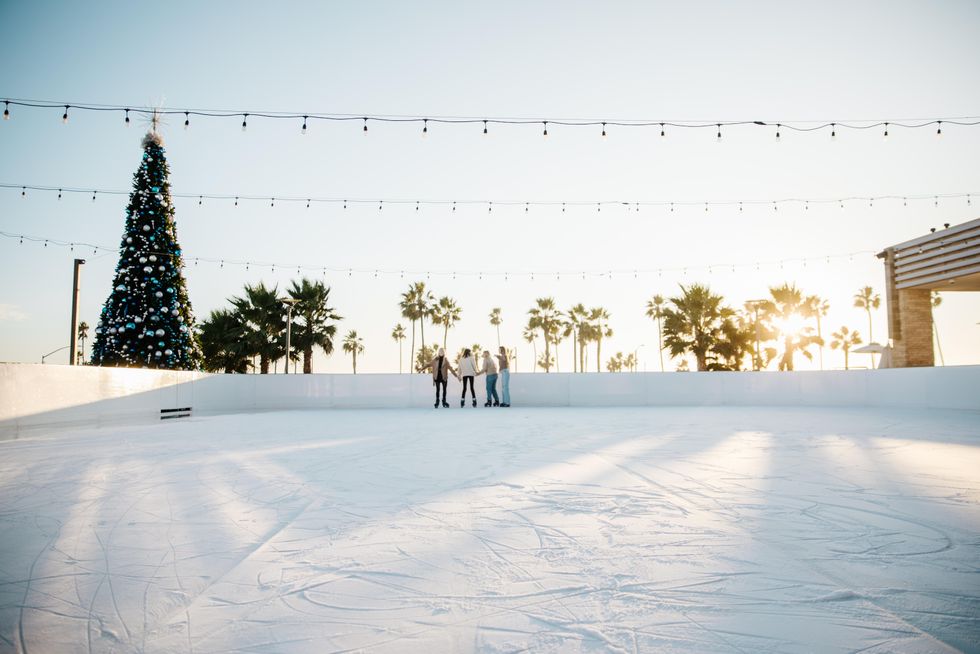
(943, 260)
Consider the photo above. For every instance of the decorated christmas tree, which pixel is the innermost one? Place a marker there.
(147, 320)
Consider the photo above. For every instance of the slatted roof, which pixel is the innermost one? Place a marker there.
(946, 260)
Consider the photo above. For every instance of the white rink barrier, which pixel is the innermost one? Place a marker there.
(42, 396)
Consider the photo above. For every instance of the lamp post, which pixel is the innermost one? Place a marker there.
(756, 356)
(45, 356)
(636, 360)
(290, 303)
(73, 343)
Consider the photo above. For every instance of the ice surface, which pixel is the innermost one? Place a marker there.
(497, 530)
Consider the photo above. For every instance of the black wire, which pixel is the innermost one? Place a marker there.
(795, 125)
(523, 203)
(444, 273)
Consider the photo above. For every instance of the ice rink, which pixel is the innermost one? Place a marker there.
(497, 530)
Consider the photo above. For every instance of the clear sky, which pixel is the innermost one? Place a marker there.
(686, 61)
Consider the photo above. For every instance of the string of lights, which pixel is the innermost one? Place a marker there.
(499, 275)
(629, 205)
(603, 125)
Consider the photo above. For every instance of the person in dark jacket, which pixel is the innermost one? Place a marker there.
(441, 369)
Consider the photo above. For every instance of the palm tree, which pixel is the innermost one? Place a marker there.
(416, 305)
(817, 307)
(787, 302)
(867, 299)
(577, 320)
(616, 363)
(224, 343)
(398, 334)
(735, 342)
(545, 316)
(529, 336)
(937, 299)
(495, 320)
(600, 329)
(655, 311)
(263, 315)
(315, 328)
(353, 345)
(693, 323)
(845, 339)
(446, 313)
(630, 362)
(557, 331)
(82, 336)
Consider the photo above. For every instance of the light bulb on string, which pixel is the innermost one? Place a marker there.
(365, 124)
(526, 205)
(416, 205)
(841, 205)
(603, 130)
(127, 118)
(563, 207)
(489, 206)
(244, 122)
(272, 202)
(6, 110)
(939, 128)
(885, 135)
(59, 193)
(93, 195)
(187, 120)
(775, 207)
(200, 200)
(236, 201)
(968, 203)
(833, 131)
(598, 207)
(778, 126)
(425, 127)
(740, 206)
(302, 130)
(905, 202)
(806, 205)
(706, 207)
(719, 132)
(381, 204)
(308, 203)
(484, 128)
(345, 205)
(936, 201)
(671, 207)
(454, 205)
(545, 123)
(23, 192)
(64, 116)
(662, 132)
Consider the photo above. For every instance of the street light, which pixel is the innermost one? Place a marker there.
(636, 360)
(45, 356)
(290, 303)
(756, 357)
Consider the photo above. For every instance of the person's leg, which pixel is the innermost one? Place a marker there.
(445, 387)
(490, 380)
(492, 383)
(505, 386)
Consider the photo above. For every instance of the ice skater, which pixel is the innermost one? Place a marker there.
(490, 370)
(467, 372)
(504, 365)
(441, 369)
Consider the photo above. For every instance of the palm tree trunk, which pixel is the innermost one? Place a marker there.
(498, 336)
(445, 336)
(939, 346)
(846, 366)
(354, 356)
(534, 366)
(547, 353)
(422, 331)
(660, 342)
(557, 367)
(581, 355)
(411, 357)
(308, 361)
(574, 350)
(870, 337)
(399, 356)
(263, 364)
(598, 354)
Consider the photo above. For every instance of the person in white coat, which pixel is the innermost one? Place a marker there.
(467, 372)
